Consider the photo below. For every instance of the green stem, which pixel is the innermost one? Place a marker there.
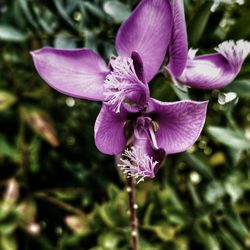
(132, 210)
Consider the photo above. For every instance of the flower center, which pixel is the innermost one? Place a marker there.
(122, 84)
(137, 164)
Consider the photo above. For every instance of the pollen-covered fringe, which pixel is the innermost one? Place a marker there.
(137, 164)
(119, 82)
(234, 52)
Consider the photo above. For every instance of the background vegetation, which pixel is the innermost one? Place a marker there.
(57, 192)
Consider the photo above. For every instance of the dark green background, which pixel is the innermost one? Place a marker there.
(199, 200)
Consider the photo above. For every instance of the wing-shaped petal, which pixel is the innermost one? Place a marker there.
(109, 131)
(147, 31)
(215, 71)
(79, 73)
(178, 49)
(179, 123)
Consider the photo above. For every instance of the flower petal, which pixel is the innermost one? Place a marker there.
(144, 139)
(123, 87)
(179, 123)
(79, 73)
(109, 131)
(178, 49)
(215, 71)
(147, 31)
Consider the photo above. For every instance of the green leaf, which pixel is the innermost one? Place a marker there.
(113, 191)
(8, 229)
(181, 243)
(27, 13)
(200, 164)
(235, 155)
(105, 215)
(8, 243)
(63, 13)
(9, 33)
(210, 240)
(164, 232)
(230, 241)
(109, 241)
(95, 10)
(71, 5)
(146, 245)
(241, 87)
(238, 30)
(117, 10)
(148, 214)
(34, 149)
(199, 23)
(64, 40)
(214, 192)
(44, 18)
(182, 94)
(229, 137)
(6, 100)
(8, 150)
(90, 40)
(235, 222)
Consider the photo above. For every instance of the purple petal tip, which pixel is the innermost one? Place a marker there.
(79, 73)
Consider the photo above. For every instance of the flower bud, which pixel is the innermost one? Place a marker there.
(12, 191)
(41, 124)
(75, 223)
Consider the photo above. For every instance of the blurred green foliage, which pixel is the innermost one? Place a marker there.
(59, 193)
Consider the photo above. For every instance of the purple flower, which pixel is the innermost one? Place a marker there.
(162, 128)
(130, 121)
(214, 71)
(141, 40)
(210, 71)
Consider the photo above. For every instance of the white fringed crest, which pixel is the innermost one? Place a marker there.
(137, 164)
(121, 81)
(234, 52)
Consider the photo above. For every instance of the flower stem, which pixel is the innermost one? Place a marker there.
(132, 210)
